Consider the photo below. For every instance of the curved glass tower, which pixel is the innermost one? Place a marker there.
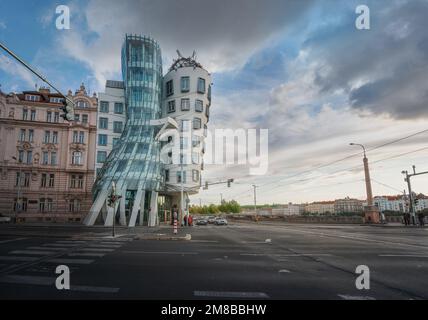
(134, 164)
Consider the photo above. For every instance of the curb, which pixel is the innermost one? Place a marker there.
(187, 237)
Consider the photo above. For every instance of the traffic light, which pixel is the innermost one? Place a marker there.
(229, 181)
(206, 185)
(68, 109)
(416, 202)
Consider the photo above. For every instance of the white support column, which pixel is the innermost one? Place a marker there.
(110, 215)
(136, 207)
(122, 207)
(154, 209)
(96, 208)
(143, 200)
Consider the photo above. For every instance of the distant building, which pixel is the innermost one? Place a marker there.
(321, 207)
(348, 205)
(111, 118)
(390, 203)
(46, 163)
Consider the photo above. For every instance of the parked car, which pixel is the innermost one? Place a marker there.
(220, 222)
(4, 219)
(211, 219)
(202, 222)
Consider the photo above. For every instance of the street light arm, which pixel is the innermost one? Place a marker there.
(362, 146)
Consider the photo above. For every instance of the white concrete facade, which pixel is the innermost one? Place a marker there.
(113, 97)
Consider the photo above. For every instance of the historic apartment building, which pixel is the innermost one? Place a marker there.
(46, 164)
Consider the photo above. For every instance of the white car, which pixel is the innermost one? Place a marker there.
(220, 222)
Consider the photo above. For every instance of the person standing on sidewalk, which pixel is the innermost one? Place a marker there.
(421, 218)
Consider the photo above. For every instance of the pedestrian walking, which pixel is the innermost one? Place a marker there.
(421, 218)
(407, 218)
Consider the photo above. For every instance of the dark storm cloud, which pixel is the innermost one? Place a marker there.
(383, 70)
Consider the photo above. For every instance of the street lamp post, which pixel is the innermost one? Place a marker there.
(18, 196)
(371, 214)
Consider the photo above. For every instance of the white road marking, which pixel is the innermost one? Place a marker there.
(96, 249)
(61, 245)
(230, 294)
(71, 261)
(49, 281)
(11, 240)
(88, 254)
(285, 255)
(15, 258)
(44, 248)
(94, 289)
(349, 297)
(205, 241)
(33, 280)
(110, 246)
(71, 241)
(404, 255)
(160, 252)
(32, 252)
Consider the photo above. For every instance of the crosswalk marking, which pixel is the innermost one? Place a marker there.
(11, 240)
(71, 261)
(15, 258)
(60, 245)
(109, 246)
(86, 254)
(42, 253)
(33, 280)
(96, 249)
(44, 248)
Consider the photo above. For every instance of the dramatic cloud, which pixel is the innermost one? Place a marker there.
(224, 33)
(383, 70)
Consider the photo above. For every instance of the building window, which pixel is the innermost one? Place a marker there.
(195, 157)
(53, 159)
(196, 123)
(201, 85)
(102, 139)
(82, 104)
(33, 115)
(185, 125)
(47, 137)
(115, 141)
(30, 135)
(207, 111)
(29, 157)
(45, 157)
(20, 156)
(84, 118)
(24, 114)
(169, 88)
(20, 205)
(77, 117)
(45, 204)
(118, 108)
(76, 181)
(55, 137)
(82, 137)
(101, 156)
(56, 117)
(74, 205)
(179, 176)
(55, 100)
(76, 157)
(31, 97)
(104, 106)
(49, 116)
(199, 105)
(22, 135)
(185, 84)
(43, 182)
(75, 136)
(22, 179)
(51, 180)
(103, 123)
(195, 175)
(185, 104)
(171, 106)
(166, 175)
(117, 126)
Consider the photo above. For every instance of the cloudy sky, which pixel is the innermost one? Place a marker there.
(300, 69)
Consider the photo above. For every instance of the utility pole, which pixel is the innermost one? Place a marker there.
(255, 201)
(18, 196)
(221, 198)
(409, 186)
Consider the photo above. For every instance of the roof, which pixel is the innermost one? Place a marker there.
(115, 84)
(182, 62)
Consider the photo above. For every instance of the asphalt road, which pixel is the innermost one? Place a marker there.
(260, 261)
